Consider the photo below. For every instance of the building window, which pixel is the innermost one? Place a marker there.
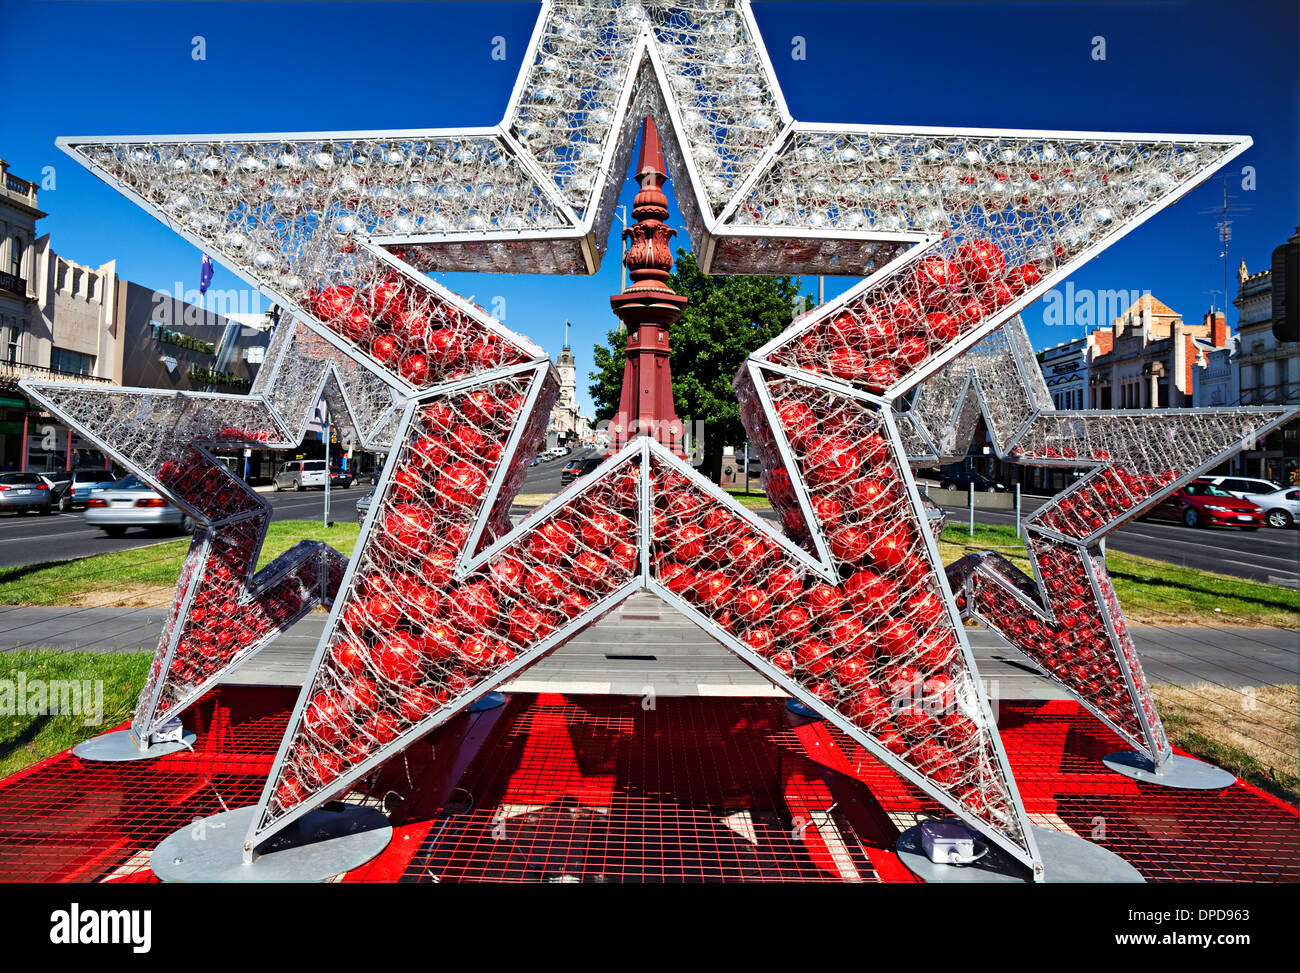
(16, 256)
(72, 362)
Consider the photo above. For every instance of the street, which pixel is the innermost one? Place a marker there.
(1268, 555)
(33, 539)
(1271, 555)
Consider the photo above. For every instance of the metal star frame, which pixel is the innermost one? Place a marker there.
(1066, 619)
(958, 228)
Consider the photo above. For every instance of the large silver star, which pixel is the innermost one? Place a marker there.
(957, 229)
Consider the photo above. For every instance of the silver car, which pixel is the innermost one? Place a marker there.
(130, 502)
(1281, 507)
(300, 473)
(22, 492)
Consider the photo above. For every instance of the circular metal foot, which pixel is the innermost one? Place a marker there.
(1066, 858)
(319, 845)
(1184, 772)
(490, 701)
(120, 745)
(799, 709)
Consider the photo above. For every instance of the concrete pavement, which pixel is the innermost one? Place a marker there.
(644, 645)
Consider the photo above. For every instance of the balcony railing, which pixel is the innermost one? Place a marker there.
(9, 282)
(12, 372)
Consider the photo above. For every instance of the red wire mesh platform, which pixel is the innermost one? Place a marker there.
(596, 788)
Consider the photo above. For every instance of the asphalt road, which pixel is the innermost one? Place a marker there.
(1268, 554)
(33, 539)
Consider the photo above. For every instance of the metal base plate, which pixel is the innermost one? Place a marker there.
(319, 845)
(1066, 858)
(799, 709)
(120, 745)
(489, 701)
(1187, 773)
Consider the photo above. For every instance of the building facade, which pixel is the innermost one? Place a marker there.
(1267, 373)
(1147, 358)
(1065, 369)
(566, 423)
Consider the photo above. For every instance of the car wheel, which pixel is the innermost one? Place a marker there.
(275, 486)
(1278, 518)
(114, 531)
(1191, 517)
(293, 486)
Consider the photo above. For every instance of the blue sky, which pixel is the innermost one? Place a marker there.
(126, 69)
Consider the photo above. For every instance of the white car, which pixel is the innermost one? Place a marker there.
(1281, 507)
(1241, 486)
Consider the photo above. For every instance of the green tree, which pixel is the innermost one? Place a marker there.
(726, 319)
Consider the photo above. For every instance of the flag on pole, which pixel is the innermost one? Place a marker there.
(205, 274)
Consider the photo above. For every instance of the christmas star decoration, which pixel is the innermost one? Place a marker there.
(1066, 618)
(956, 230)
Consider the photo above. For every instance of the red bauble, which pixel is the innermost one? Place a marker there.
(796, 419)
(851, 671)
(415, 369)
(850, 543)
(848, 364)
(941, 326)
(438, 567)
(468, 441)
(382, 727)
(326, 718)
(384, 349)
(472, 607)
(1022, 278)
(445, 349)
(410, 526)
(687, 542)
(349, 655)
(408, 483)
(325, 766)
(625, 556)
(423, 602)
(461, 485)
(476, 652)
(438, 417)
(759, 639)
(429, 454)
(553, 541)
(937, 279)
(328, 303)
(601, 530)
(387, 300)
(890, 549)
(824, 600)
(897, 639)
(416, 704)
(713, 588)
(527, 625)
(831, 459)
(867, 495)
(847, 631)
(792, 623)
(815, 656)
(981, 261)
(589, 568)
(783, 661)
(439, 642)
(508, 573)
(544, 584)
(397, 658)
(752, 603)
(355, 324)
(784, 585)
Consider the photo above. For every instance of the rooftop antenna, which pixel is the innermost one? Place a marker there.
(1224, 226)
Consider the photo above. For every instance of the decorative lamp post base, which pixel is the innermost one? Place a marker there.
(121, 745)
(1066, 858)
(1186, 773)
(326, 842)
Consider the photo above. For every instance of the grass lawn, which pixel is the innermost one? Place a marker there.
(1153, 592)
(26, 737)
(1253, 735)
(143, 575)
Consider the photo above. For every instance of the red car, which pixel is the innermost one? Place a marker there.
(1201, 504)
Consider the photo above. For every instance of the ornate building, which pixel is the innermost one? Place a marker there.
(566, 424)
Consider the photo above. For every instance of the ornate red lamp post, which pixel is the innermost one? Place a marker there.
(648, 309)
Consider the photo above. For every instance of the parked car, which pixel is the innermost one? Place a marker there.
(1281, 507)
(299, 474)
(340, 479)
(363, 506)
(21, 492)
(130, 502)
(60, 485)
(964, 479)
(371, 475)
(579, 467)
(1202, 504)
(83, 483)
(1240, 486)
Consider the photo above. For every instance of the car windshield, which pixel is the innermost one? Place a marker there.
(131, 482)
(1205, 490)
(20, 478)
